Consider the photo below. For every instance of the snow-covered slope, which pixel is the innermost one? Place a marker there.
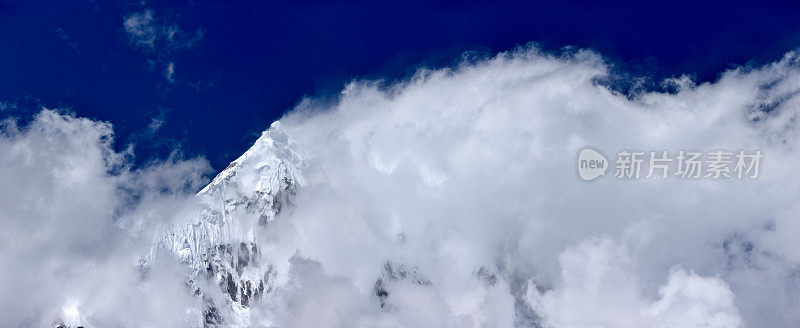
(219, 244)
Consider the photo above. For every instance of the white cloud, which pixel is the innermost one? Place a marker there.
(141, 29)
(159, 38)
(156, 123)
(472, 167)
(457, 189)
(169, 72)
(597, 288)
(75, 218)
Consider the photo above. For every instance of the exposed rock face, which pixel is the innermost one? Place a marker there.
(219, 244)
(393, 272)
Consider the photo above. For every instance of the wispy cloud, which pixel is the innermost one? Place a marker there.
(141, 29)
(169, 72)
(65, 39)
(159, 38)
(5, 105)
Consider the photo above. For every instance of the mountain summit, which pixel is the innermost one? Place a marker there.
(219, 245)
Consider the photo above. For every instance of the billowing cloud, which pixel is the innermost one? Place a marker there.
(597, 287)
(75, 219)
(466, 173)
(450, 199)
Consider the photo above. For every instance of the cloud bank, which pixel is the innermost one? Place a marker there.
(470, 172)
(450, 199)
(75, 219)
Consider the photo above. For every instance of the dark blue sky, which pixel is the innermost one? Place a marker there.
(237, 66)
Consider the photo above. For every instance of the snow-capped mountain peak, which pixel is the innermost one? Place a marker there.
(219, 243)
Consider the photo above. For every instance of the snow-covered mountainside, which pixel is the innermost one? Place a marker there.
(219, 245)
